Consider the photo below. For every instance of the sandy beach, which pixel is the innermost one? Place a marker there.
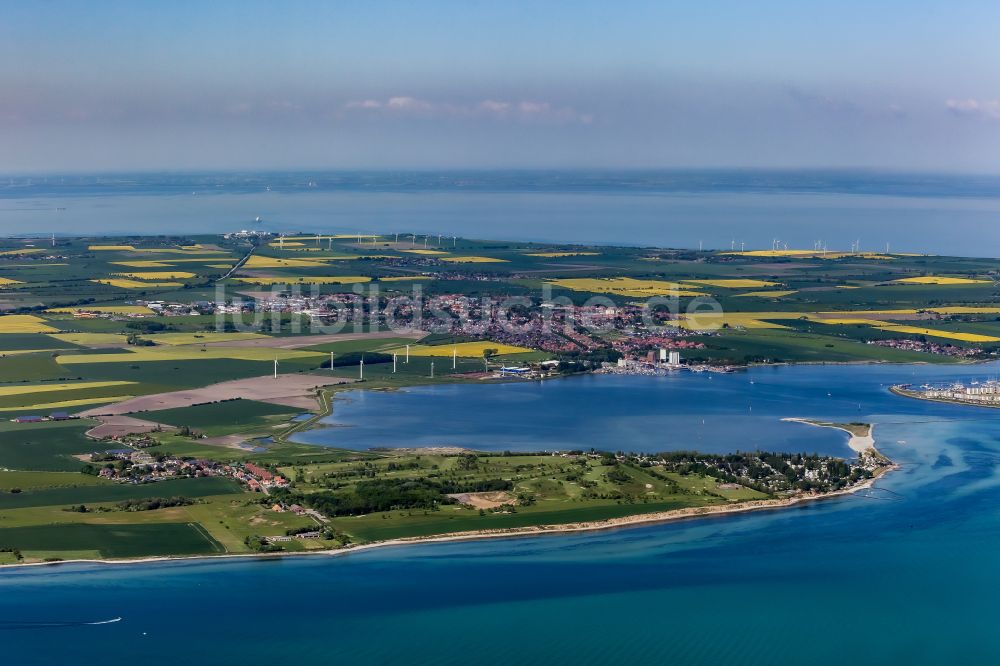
(858, 443)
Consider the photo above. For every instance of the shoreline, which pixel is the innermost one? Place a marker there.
(624, 522)
(914, 395)
(858, 443)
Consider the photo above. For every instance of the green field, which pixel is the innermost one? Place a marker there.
(39, 480)
(400, 525)
(117, 492)
(46, 446)
(38, 459)
(220, 418)
(112, 541)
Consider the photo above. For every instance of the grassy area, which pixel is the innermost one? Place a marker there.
(112, 541)
(220, 418)
(772, 302)
(39, 480)
(48, 446)
(561, 489)
(117, 492)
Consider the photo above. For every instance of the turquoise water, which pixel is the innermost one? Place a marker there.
(905, 574)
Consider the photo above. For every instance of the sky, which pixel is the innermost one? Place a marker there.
(104, 86)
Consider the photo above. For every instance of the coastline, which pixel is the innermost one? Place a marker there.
(858, 443)
(897, 390)
(624, 522)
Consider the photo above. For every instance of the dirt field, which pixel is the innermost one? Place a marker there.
(490, 500)
(116, 426)
(264, 389)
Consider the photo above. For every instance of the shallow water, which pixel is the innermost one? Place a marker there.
(904, 574)
(683, 411)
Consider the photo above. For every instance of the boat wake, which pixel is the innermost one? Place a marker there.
(52, 624)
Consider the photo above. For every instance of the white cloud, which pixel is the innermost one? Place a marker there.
(989, 108)
(493, 106)
(512, 111)
(364, 104)
(408, 104)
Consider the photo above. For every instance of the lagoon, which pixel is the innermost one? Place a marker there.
(904, 574)
(710, 412)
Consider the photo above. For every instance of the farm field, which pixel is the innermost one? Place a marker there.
(141, 331)
(116, 492)
(224, 417)
(110, 541)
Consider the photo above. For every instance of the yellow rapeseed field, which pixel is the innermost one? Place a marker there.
(734, 283)
(24, 324)
(134, 284)
(710, 321)
(158, 275)
(473, 260)
(625, 286)
(809, 254)
(79, 402)
(177, 250)
(936, 333)
(777, 293)
(334, 237)
(27, 250)
(939, 279)
(111, 248)
(280, 244)
(6, 281)
(463, 349)
(257, 261)
(21, 389)
(143, 263)
(424, 251)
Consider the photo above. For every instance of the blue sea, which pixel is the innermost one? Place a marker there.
(903, 574)
(926, 213)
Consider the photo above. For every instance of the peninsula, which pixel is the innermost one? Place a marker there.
(149, 386)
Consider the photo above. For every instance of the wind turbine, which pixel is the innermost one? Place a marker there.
(361, 369)
(394, 363)
(275, 367)
(454, 358)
